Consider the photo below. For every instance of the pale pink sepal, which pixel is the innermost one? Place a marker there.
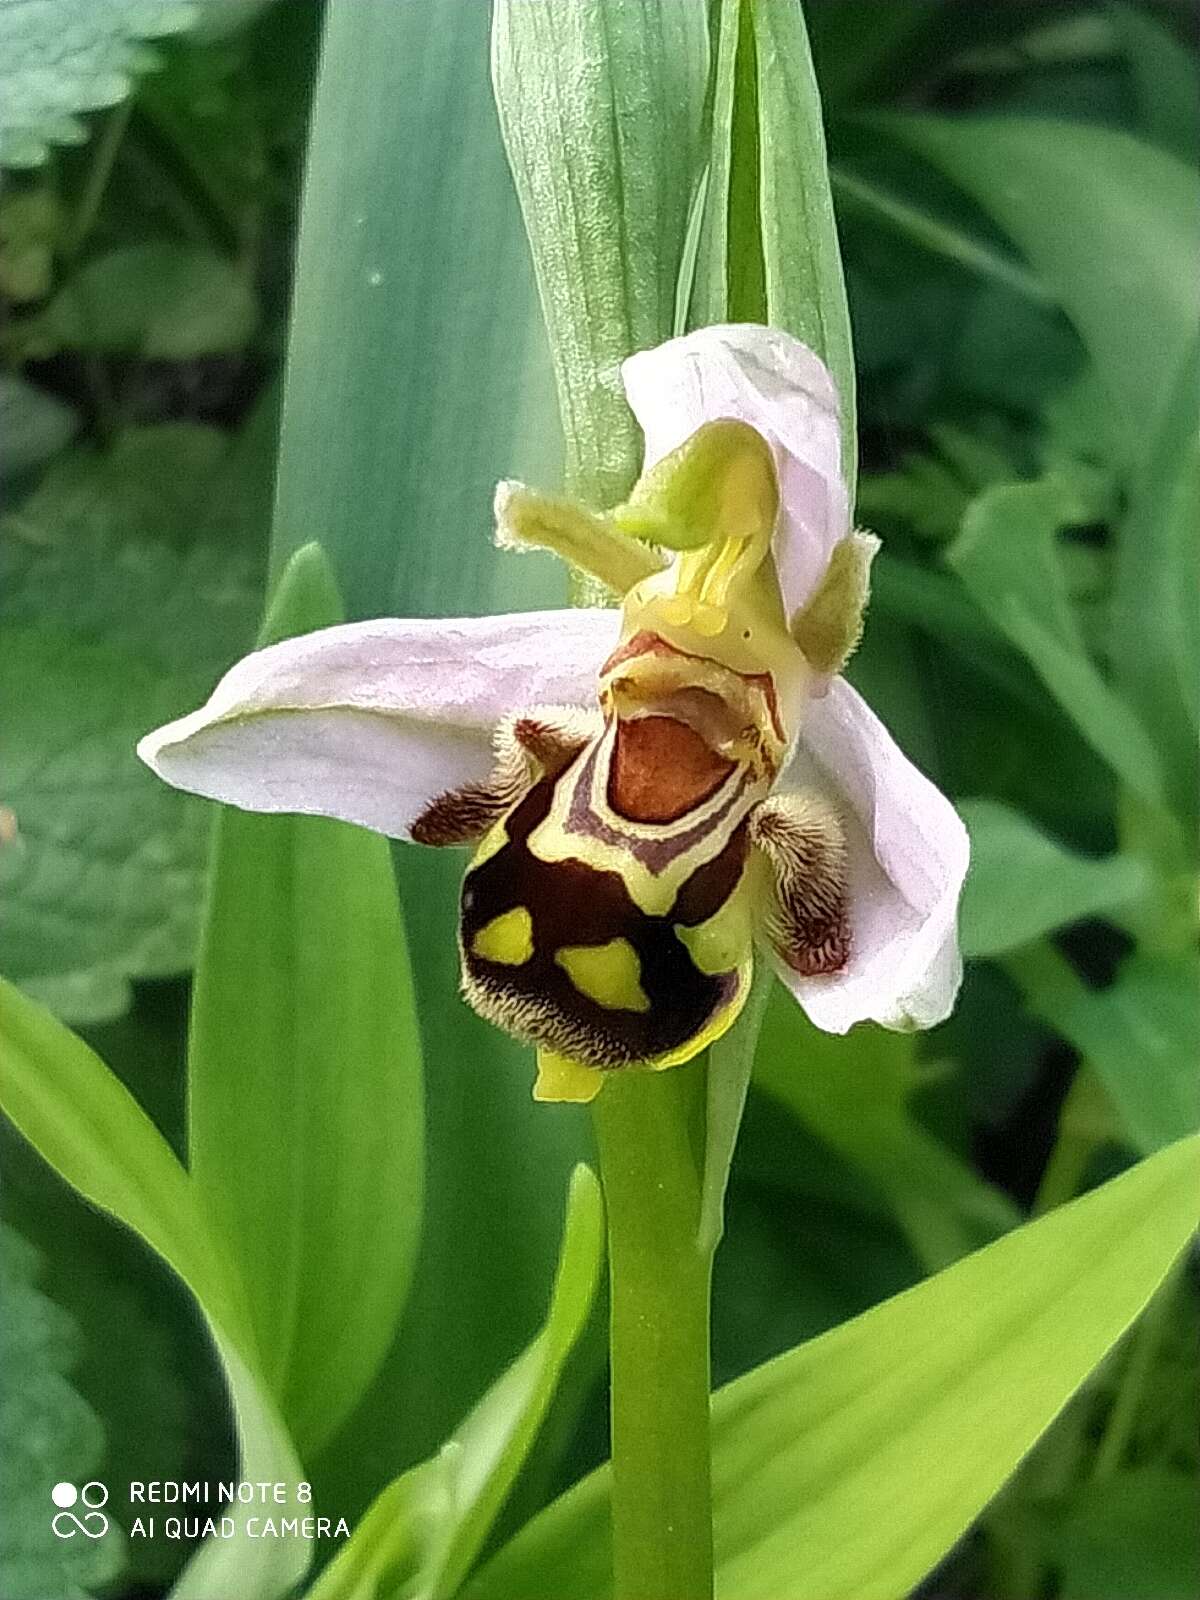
(908, 855)
(785, 391)
(370, 721)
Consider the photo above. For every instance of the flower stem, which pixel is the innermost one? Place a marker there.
(650, 1130)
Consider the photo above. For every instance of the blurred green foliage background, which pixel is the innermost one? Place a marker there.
(1023, 300)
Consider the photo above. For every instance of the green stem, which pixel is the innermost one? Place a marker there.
(650, 1130)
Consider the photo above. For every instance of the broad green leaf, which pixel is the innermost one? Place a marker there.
(1111, 225)
(768, 249)
(101, 879)
(34, 426)
(600, 110)
(151, 483)
(1132, 1535)
(304, 1073)
(853, 1094)
(1022, 884)
(418, 373)
(1164, 78)
(1007, 557)
(1155, 631)
(162, 301)
(81, 1120)
(76, 55)
(48, 1435)
(848, 1467)
(417, 376)
(423, 1534)
(1141, 1033)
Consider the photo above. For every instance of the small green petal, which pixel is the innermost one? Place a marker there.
(830, 625)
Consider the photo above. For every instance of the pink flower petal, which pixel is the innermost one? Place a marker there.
(370, 721)
(780, 387)
(908, 853)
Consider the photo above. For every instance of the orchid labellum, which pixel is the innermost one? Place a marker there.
(649, 790)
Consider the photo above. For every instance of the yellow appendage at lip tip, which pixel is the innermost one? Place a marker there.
(559, 1079)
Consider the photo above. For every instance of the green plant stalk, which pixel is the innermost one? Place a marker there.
(650, 1131)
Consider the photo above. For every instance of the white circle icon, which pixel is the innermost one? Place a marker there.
(64, 1494)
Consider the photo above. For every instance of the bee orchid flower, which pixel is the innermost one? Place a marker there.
(650, 791)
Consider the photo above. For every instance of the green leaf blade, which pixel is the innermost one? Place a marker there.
(305, 1099)
(600, 110)
(1022, 885)
(848, 1467)
(1096, 212)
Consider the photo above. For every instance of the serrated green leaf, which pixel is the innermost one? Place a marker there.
(1023, 884)
(307, 1047)
(1093, 210)
(1007, 558)
(600, 110)
(161, 301)
(423, 1534)
(848, 1467)
(101, 876)
(48, 1435)
(1141, 1033)
(60, 59)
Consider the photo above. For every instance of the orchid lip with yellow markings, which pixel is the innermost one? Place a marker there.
(652, 790)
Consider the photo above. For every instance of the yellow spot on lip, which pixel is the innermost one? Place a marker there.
(610, 974)
(507, 939)
(559, 1078)
(723, 942)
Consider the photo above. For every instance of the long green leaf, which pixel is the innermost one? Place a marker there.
(423, 1534)
(768, 248)
(417, 376)
(846, 1468)
(1110, 224)
(1155, 637)
(86, 1124)
(600, 106)
(417, 370)
(806, 293)
(305, 1104)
